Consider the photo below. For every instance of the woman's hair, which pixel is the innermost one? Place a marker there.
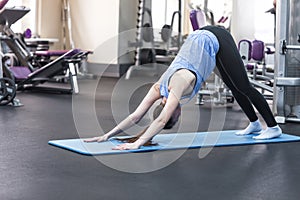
(172, 121)
(174, 118)
(135, 138)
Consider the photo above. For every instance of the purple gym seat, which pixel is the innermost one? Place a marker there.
(51, 53)
(32, 72)
(254, 50)
(26, 79)
(20, 72)
(258, 50)
(197, 18)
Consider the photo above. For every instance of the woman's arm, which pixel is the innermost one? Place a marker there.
(179, 84)
(133, 118)
(155, 127)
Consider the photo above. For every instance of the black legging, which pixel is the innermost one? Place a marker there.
(234, 75)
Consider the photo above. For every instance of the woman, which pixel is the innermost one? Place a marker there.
(203, 50)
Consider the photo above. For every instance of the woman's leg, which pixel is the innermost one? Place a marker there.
(232, 69)
(240, 97)
(244, 102)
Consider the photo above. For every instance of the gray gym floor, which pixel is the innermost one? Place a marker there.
(31, 169)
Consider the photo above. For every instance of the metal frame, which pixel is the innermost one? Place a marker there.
(143, 8)
(281, 79)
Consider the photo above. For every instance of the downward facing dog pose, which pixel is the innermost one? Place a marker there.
(204, 50)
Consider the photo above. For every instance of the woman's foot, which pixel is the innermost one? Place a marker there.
(253, 127)
(269, 133)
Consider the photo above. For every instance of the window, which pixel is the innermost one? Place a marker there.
(264, 22)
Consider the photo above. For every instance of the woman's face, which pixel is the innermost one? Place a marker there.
(174, 117)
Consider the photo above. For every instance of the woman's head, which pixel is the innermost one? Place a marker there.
(172, 121)
(174, 118)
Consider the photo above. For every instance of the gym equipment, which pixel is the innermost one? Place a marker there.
(197, 18)
(225, 19)
(287, 61)
(7, 85)
(253, 56)
(167, 29)
(3, 3)
(27, 76)
(205, 15)
(9, 16)
(67, 24)
(245, 49)
(144, 32)
(7, 91)
(147, 32)
(201, 15)
(165, 54)
(148, 53)
(170, 142)
(27, 80)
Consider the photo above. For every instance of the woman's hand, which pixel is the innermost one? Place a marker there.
(126, 146)
(97, 139)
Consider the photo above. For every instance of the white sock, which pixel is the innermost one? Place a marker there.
(269, 133)
(253, 127)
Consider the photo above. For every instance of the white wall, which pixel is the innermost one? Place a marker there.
(249, 20)
(95, 27)
(242, 24)
(49, 20)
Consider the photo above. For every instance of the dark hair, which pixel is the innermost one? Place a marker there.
(135, 138)
(172, 121)
(174, 118)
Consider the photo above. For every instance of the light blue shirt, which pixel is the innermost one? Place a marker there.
(197, 54)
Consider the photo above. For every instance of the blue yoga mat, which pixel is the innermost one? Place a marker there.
(170, 142)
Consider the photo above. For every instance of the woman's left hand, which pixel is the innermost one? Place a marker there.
(126, 146)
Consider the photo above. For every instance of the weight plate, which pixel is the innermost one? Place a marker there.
(7, 91)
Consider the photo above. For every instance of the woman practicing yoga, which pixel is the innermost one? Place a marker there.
(203, 51)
